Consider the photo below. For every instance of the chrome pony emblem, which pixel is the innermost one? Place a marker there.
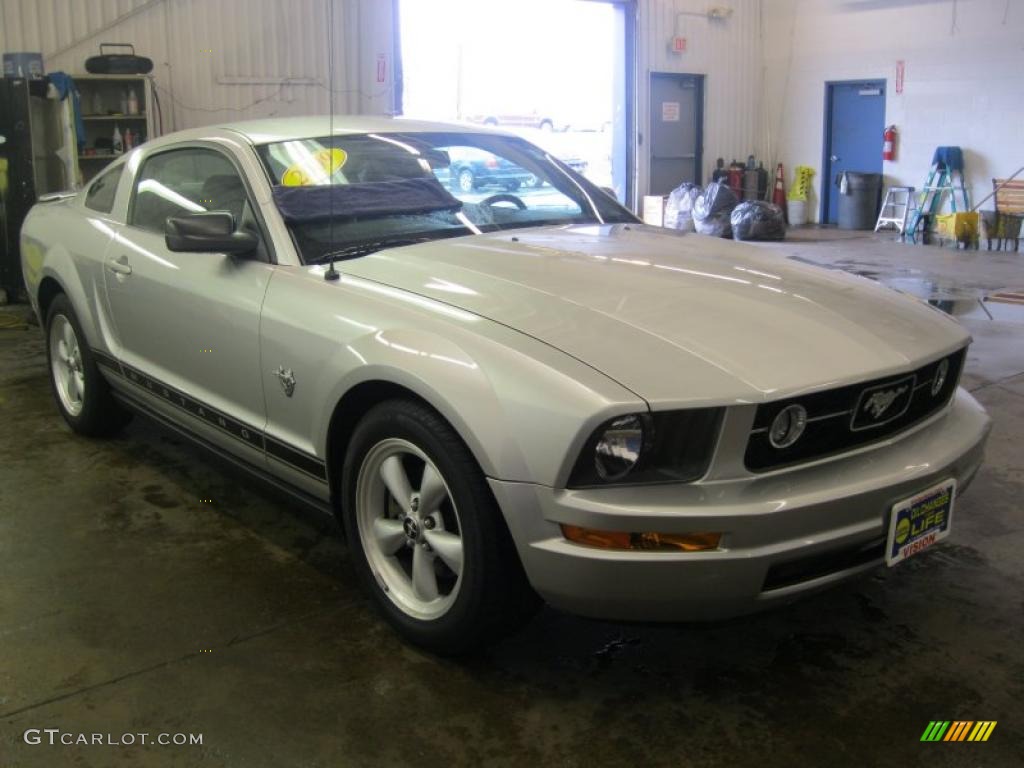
(287, 379)
(879, 402)
(879, 405)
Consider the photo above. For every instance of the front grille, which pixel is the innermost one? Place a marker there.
(823, 564)
(839, 420)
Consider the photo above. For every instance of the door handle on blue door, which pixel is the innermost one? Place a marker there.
(120, 265)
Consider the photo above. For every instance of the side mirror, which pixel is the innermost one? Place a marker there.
(207, 232)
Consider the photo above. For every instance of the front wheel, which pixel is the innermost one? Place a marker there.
(428, 541)
(82, 394)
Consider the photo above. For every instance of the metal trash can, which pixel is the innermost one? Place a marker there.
(859, 197)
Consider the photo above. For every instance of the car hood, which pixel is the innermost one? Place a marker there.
(676, 318)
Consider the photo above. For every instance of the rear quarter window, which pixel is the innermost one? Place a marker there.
(100, 195)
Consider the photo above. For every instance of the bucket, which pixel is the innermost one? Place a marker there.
(797, 211)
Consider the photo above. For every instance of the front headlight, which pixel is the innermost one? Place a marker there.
(618, 448)
(640, 448)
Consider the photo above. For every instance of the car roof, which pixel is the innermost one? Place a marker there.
(270, 130)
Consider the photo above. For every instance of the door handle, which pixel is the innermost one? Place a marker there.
(834, 158)
(120, 265)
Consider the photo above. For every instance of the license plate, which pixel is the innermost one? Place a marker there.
(920, 521)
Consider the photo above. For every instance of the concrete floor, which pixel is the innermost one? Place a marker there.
(130, 604)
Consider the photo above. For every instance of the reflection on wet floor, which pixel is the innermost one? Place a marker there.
(983, 285)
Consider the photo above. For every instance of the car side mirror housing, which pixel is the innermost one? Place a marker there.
(207, 232)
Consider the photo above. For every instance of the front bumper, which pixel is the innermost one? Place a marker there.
(785, 534)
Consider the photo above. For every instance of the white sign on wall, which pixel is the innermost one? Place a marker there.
(670, 111)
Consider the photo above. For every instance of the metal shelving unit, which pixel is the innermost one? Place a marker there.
(101, 98)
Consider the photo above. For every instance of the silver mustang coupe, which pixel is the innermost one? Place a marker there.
(503, 394)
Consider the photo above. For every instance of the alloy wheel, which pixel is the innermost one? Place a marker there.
(409, 528)
(66, 365)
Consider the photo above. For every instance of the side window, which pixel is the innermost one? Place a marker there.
(183, 181)
(101, 194)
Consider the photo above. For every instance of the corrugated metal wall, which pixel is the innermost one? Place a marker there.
(218, 60)
(728, 52)
(209, 53)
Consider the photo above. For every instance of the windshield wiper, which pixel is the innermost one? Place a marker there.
(356, 250)
(365, 248)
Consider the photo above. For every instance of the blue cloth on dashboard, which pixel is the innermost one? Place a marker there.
(65, 85)
(378, 198)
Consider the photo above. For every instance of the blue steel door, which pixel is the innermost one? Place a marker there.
(854, 123)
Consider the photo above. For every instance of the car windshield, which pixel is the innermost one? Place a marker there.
(349, 195)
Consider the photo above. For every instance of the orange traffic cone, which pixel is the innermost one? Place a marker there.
(779, 194)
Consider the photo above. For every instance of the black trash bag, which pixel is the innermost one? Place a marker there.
(711, 210)
(758, 220)
(679, 208)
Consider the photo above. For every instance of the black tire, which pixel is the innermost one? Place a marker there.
(100, 414)
(512, 186)
(494, 597)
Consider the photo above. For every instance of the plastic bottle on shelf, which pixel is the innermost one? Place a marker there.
(97, 103)
(133, 103)
(129, 138)
(124, 102)
(118, 143)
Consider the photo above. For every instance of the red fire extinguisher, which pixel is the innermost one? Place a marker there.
(735, 178)
(889, 143)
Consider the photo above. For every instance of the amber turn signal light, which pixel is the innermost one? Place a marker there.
(644, 542)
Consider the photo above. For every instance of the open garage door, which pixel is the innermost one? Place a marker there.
(557, 72)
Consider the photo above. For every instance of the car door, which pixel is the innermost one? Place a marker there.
(188, 323)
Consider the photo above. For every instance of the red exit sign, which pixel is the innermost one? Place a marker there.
(678, 45)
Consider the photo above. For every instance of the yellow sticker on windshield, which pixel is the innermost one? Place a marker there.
(318, 169)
